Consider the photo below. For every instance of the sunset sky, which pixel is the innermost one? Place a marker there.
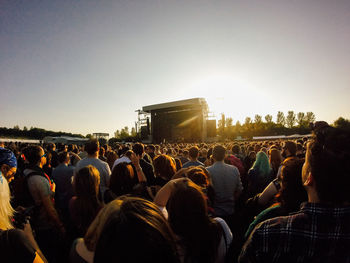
(86, 66)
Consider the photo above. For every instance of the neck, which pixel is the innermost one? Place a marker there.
(95, 155)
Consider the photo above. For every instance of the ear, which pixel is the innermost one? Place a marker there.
(309, 180)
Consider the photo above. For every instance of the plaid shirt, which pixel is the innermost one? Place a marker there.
(317, 233)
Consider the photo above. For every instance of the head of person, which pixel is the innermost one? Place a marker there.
(138, 149)
(86, 182)
(101, 151)
(34, 155)
(275, 158)
(188, 217)
(327, 168)
(111, 157)
(63, 157)
(262, 164)
(164, 166)
(219, 153)
(150, 148)
(193, 153)
(289, 149)
(136, 232)
(92, 147)
(8, 163)
(51, 147)
(235, 149)
(199, 175)
(6, 210)
(292, 192)
(122, 179)
(185, 153)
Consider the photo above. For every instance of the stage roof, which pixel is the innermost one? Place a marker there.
(179, 103)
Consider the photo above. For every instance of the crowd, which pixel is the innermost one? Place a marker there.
(261, 201)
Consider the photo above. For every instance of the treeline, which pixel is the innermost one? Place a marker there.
(292, 123)
(33, 133)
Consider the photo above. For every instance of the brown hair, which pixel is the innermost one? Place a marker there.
(164, 166)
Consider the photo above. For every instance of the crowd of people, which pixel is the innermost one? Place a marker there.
(246, 201)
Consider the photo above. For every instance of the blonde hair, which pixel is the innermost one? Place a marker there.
(6, 210)
(95, 229)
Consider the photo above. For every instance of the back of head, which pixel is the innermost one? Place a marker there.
(193, 152)
(92, 146)
(262, 163)
(188, 217)
(122, 179)
(235, 149)
(138, 232)
(63, 157)
(32, 154)
(219, 153)
(329, 155)
(291, 147)
(86, 182)
(138, 149)
(292, 192)
(164, 166)
(199, 176)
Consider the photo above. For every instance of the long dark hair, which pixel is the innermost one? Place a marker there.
(123, 179)
(188, 216)
(292, 192)
(138, 232)
(86, 186)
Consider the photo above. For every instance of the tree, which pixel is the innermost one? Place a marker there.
(342, 123)
(268, 118)
(16, 127)
(310, 117)
(301, 119)
(258, 119)
(280, 120)
(25, 128)
(89, 136)
(133, 132)
(291, 119)
(124, 133)
(117, 134)
(247, 121)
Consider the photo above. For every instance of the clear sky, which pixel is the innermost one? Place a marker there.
(86, 66)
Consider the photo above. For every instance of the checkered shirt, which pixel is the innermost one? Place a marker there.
(317, 233)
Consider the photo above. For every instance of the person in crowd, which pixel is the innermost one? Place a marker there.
(16, 245)
(193, 154)
(51, 148)
(124, 154)
(8, 164)
(227, 185)
(291, 193)
(184, 157)
(85, 204)
(48, 167)
(62, 175)
(203, 155)
(249, 160)
(47, 224)
(209, 161)
(150, 150)
(128, 179)
(83, 249)
(234, 159)
(147, 168)
(289, 149)
(92, 148)
(260, 175)
(200, 237)
(275, 160)
(132, 227)
(111, 157)
(319, 231)
(101, 154)
(164, 169)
